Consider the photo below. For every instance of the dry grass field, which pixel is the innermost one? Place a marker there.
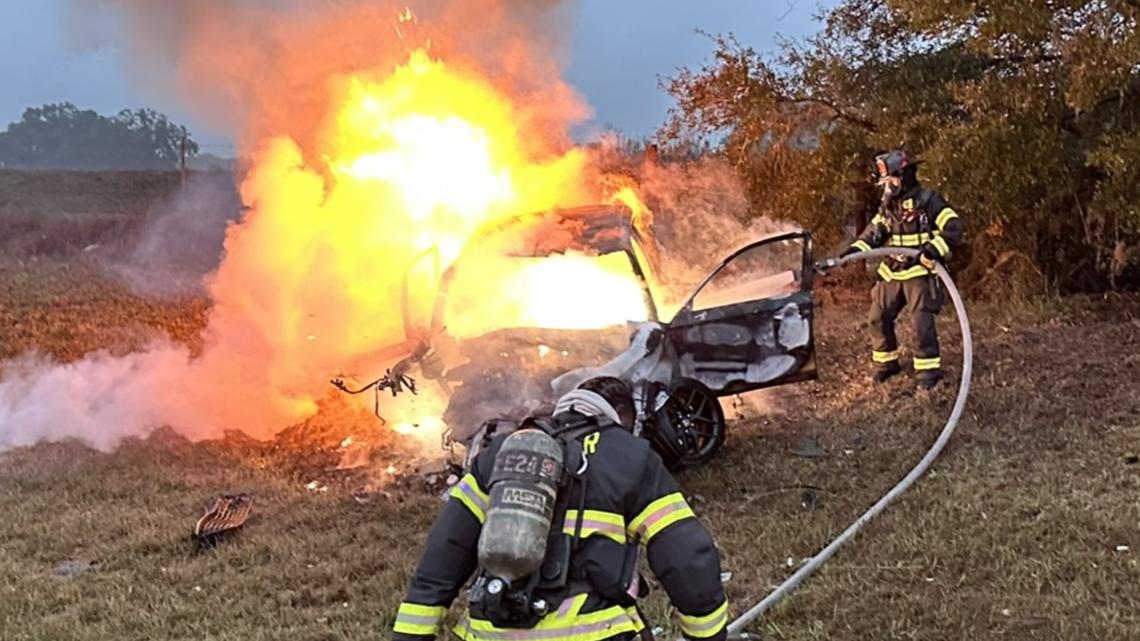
(1027, 528)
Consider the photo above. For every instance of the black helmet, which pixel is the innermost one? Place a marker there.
(896, 173)
(617, 393)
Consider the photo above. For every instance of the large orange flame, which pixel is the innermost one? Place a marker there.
(415, 160)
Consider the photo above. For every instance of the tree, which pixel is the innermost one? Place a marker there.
(60, 136)
(1026, 111)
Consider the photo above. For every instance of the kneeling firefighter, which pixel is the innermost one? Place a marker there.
(551, 521)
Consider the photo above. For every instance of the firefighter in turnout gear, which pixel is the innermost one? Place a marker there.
(619, 503)
(916, 217)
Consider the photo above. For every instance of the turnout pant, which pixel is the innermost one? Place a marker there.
(923, 298)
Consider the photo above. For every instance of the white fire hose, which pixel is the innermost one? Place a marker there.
(735, 629)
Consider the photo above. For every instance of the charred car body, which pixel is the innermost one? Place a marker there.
(747, 326)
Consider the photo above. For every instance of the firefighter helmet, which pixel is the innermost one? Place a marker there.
(617, 393)
(891, 164)
(895, 172)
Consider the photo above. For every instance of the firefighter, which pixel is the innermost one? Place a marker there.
(624, 504)
(916, 217)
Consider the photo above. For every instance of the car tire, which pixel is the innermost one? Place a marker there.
(698, 419)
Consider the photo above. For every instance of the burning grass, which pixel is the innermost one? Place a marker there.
(1028, 526)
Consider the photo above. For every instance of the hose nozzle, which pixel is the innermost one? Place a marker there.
(826, 265)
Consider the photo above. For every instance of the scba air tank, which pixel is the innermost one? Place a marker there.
(524, 485)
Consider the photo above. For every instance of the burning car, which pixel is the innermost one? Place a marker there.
(493, 360)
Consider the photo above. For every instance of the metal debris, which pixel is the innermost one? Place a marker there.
(225, 514)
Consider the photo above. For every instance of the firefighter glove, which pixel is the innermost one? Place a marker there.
(929, 256)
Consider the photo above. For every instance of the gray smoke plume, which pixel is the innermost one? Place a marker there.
(262, 68)
(182, 241)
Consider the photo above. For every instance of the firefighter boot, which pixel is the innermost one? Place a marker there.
(886, 371)
(929, 379)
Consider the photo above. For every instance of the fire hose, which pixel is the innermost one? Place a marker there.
(735, 629)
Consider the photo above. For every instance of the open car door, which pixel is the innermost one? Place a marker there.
(749, 324)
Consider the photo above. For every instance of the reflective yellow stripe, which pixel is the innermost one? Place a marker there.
(423, 620)
(469, 493)
(941, 245)
(908, 240)
(885, 357)
(562, 625)
(706, 626)
(861, 246)
(878, 220)
(945, 216)
(607, 524)
(924, 364)
(659, 515)
(906, 274)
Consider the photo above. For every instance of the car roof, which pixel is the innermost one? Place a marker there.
(601, 229)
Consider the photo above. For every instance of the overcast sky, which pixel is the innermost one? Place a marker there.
(620, 48)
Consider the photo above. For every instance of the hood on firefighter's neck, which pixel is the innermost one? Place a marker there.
(586, 403)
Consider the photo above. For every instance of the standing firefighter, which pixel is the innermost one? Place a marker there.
(916, 217)
(551, 521)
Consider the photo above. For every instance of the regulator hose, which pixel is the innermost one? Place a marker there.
(736, 627)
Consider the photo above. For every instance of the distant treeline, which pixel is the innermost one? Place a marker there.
(61, 136)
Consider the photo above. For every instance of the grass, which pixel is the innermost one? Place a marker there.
(1014, 534)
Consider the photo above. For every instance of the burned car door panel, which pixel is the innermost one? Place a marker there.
(747, 328)
(749, 348)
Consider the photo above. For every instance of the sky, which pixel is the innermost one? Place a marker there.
(620, 48)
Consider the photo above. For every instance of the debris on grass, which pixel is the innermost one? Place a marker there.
(225, 514)
(73, 567)
(809, 448)
(810, 499)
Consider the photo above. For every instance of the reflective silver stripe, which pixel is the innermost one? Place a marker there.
(416, 619)
(601, 627)
(705, 626)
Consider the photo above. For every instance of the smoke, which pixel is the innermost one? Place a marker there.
(701, 214)
(322, 96)
(371, 132)
(182, 243)
(262, 68)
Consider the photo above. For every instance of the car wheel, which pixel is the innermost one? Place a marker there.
(696, 416)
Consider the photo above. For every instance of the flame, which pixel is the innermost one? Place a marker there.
(360, 151)
(627, 195)
(417, 159)
(414, 160)
(411, 157)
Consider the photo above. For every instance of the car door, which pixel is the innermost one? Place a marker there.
(749, 324)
